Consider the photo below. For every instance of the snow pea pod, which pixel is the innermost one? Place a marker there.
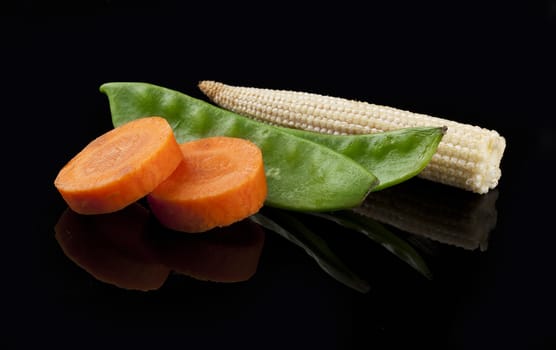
(301, 175)
(392, 156)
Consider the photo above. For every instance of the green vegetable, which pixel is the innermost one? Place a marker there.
(392, 156)
(301, 175)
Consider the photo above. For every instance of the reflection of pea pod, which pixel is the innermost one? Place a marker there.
(227, 254)
(392, 156)
(296, 232)
(382, 236)
(438, 212)
(112, 247)
(301, 175)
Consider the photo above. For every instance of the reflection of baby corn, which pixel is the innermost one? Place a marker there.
(437, 212)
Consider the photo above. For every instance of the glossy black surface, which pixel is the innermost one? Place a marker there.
(480, 64)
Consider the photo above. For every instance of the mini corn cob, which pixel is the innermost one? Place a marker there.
(468, 156)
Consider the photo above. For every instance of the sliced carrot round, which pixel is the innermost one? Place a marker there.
(221, 180)
(119, 167)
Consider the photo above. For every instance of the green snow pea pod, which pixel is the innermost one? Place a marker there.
(301, 175)
(392, 156)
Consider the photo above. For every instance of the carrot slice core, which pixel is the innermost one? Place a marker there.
(221, 180)
(119, 167)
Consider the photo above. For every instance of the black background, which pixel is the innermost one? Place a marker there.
(490, 64)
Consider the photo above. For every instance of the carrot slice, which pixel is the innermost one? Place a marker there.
(221, 180)
(119, 167)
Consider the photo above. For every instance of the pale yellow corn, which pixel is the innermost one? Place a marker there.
(468, 156)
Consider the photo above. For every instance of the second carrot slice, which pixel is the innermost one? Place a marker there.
(220, 180)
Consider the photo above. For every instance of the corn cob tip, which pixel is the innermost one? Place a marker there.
(210, 88)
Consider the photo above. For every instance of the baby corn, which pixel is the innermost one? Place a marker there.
(468, 156)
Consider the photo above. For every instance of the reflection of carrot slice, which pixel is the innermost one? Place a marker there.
(220, 181)
(228, 254)
(112, 247)
(119, 167)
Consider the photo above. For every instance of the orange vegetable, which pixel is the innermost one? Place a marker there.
(119, 167)
(221, 180)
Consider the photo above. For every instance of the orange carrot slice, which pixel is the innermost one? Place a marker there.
(221, 180)
(119, 167)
